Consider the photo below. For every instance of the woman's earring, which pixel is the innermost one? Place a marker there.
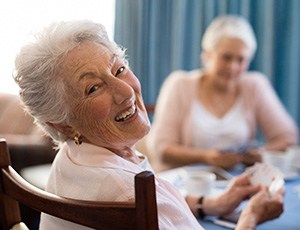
(78, 139)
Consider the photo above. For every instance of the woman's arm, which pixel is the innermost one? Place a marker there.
(278, 127)
(240, 189)
(171, 111)
(261, 207)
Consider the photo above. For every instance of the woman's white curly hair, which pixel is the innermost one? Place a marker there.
(229, 26)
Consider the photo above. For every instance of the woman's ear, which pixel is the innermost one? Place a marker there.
(205, 56)
(65, 129)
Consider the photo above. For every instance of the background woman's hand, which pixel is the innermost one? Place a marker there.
(223, 160)
(252, 156)
(262, 207)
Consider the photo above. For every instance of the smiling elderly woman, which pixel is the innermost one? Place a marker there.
(76, 83)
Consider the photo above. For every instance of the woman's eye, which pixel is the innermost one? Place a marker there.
(93, 89)
(241, 60)
(120, 70)
(227, 57)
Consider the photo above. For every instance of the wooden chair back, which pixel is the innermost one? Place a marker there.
(141, 214)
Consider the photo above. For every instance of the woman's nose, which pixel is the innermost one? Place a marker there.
(234, 65)
(122, 91)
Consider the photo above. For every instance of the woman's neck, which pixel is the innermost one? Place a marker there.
(128, 153)
(218, 99)
(213, 87)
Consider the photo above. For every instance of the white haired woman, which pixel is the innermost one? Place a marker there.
(212, 115)
(77, 85)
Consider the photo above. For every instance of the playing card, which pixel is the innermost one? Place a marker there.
(241, 149)
(266, 175)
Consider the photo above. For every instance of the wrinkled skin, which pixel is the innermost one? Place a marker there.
(104, 98)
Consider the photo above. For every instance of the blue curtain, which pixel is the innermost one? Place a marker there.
(164, 35)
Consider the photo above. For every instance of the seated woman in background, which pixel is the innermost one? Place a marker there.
(212, 115)
(77, 85)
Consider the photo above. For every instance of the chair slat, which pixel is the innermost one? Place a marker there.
(146, 200)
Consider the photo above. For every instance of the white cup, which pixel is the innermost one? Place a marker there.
(294, 151)
(200, 183)
(279, 159)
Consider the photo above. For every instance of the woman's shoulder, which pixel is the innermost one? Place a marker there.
(254, 79)
(183, 78)
(183, 74)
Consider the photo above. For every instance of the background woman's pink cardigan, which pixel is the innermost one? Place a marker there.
(263, 109)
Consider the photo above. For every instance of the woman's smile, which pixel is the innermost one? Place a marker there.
(124, 116)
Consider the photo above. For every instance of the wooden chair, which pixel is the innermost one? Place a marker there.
(98, 215)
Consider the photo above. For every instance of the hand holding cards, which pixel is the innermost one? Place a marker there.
(272, 181)
(266, 175)
(243, 148)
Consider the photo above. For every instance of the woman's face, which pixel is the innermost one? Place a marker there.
(227, 61)
(104, 98)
